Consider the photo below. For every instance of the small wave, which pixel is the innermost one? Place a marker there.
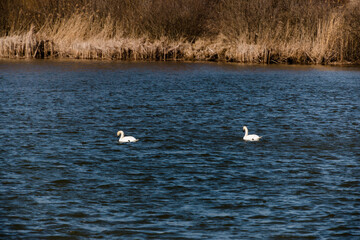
(62, 182)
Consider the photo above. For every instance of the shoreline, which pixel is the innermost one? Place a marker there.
(32, 46)
(107, 61)
(314, 32)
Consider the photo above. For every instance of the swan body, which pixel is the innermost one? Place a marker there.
(251, 137)
(126, 139)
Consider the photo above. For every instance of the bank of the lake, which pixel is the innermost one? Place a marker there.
(276, 31)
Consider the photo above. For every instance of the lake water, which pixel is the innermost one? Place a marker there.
(63, 174)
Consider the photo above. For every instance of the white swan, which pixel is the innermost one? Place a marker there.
(123, 139)
(251, 137)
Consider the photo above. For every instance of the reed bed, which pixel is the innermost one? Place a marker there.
(258, 31)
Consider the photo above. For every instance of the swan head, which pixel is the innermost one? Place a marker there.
(244, 128)
(119, 132)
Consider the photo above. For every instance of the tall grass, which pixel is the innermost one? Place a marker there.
(257, 31)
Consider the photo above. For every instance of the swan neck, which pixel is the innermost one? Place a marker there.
(246, 131)
(121, 134)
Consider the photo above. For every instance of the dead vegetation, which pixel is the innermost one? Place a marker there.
(258, 31)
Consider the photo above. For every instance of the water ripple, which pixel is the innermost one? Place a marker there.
(64, 175)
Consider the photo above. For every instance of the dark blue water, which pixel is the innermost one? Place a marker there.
(63, 175)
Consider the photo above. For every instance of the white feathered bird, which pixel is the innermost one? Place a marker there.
(125, 139)
(251, 137)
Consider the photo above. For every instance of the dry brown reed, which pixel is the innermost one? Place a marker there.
(258, 31)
